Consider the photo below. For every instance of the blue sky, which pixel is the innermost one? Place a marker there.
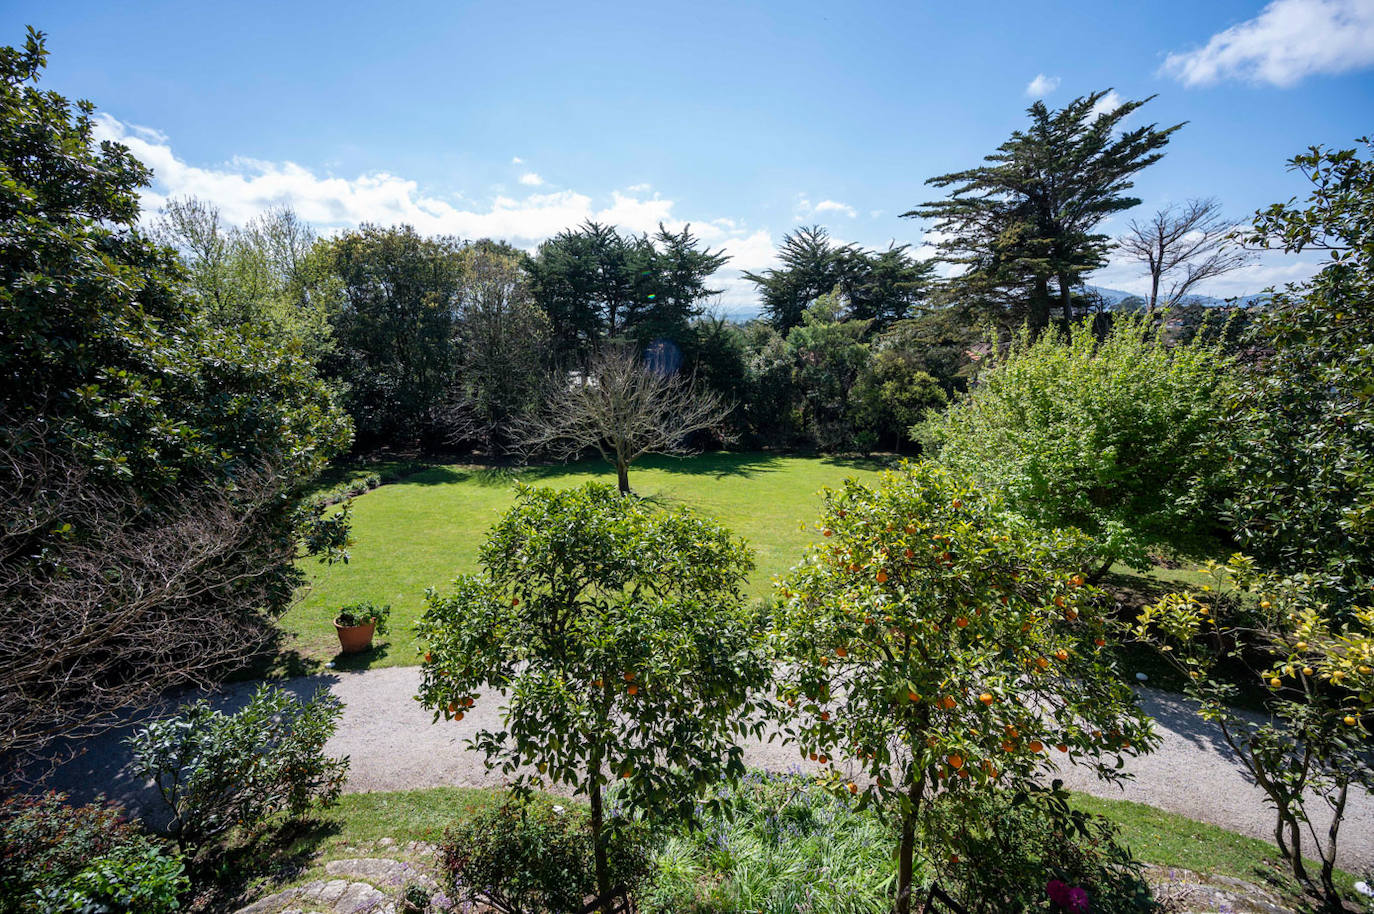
(516, 119)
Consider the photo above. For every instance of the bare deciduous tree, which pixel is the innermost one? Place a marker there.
(107, 614)
(625, 409)
(1182, 246)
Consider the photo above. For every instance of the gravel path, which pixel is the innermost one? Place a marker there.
(394, 746)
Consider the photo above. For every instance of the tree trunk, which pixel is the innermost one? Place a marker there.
(1066, 299)
(1328, 853)
(622, 473)
(907, 851)
(1101, 572)
(1040, 306)
(603, 873)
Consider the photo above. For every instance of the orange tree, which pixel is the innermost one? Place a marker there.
(1318, 674)
(620, 638)
(936, 641)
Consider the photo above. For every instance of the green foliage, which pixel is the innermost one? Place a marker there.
(998, 852)
(271, 278)
(779, 845)
(504, 337)
(396, 330)
(217, 771)
(1304, 461)
(620, 638)
(1124, 438)
(122, 410)
(892, 395)
(827, 355)
(811, 267)
(96, 336)
(134, 878)
(1027, 219)
(533, 856)
(594, 283)
(55, 857)
(937, 639)
(878, 287)
(364, 612)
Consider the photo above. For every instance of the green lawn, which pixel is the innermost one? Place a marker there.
(424, 529)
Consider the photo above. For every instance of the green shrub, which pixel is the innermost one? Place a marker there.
(55, 857)
(137, 877)
(1124, 438)
(531, 855)
(1003, 852)
(217, 771)
(782, 845)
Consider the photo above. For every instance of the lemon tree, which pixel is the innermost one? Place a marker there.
(1317, 668)
(935, 641)
(618, 635)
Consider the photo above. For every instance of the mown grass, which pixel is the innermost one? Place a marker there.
(1170, 840)
(424, 529)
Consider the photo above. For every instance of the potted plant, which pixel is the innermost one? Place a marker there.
(356, 623)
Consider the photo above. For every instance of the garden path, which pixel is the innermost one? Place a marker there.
(394, 745)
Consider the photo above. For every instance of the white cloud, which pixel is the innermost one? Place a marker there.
(243, 187)
(1041, 86)
(517, 161)
(530, 179)
(834, 206)
(1106, 104)
(1287, 41)
(640, 188)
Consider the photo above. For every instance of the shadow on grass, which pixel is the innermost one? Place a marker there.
(224, 877)
(719, 464)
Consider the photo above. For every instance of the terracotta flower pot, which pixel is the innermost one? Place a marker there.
(354, 639)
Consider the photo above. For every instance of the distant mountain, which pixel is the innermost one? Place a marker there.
(1117, 296)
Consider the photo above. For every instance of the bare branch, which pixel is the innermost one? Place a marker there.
(1182, 247)
(624, 409)
(108, 600)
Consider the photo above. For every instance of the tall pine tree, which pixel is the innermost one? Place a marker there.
(1023, 225)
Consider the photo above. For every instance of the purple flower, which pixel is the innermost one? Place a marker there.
(1072, 899)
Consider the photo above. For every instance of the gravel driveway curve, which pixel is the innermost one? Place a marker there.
(393, 745)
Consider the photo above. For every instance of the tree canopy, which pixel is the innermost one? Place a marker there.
(151, 464)
(1023, 226)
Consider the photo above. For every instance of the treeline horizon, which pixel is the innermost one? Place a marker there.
(444, 344)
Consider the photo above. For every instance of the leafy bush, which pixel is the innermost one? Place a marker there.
(1124, 438)
(216, 771)
(137, 877)
(55, 857)
(531, 855)
(1304, 461)
(362, 613)
(780, 844)
(1028, 851)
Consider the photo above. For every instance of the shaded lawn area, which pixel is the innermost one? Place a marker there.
(423, 530)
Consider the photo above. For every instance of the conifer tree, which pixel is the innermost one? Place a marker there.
(1023, 225)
